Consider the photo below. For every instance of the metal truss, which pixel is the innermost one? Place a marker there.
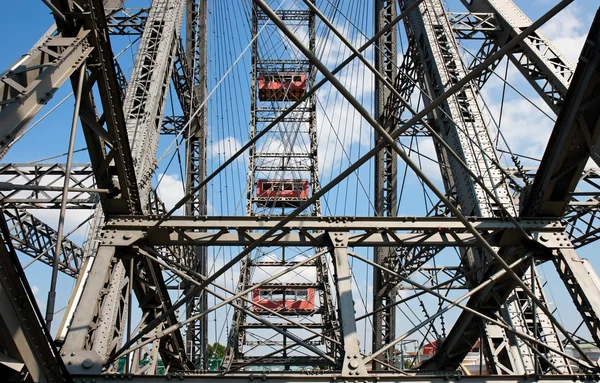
(107, 155)
(144, 250)
(543, 200)
(27, 347)
(126, 21)
(535, 57)
(460, 119)
(576, 127)
(193, 98)
(39, 186)
(288, 162)
(386, 185)
(36, 239)
(173, 124)
(118, 277)
(32, 80)
(468, 25)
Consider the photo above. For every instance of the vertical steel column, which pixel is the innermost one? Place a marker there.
(386, 170)
(352, 363)
(196, 48)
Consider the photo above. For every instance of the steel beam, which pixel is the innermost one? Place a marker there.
(117, 171)
(341, 223)
(27, 350)
(309, 231)
(325, 377)
(352, 362)
(30, 83)
(535, 57)
(386, 172)
(461, 125)
(36, 239)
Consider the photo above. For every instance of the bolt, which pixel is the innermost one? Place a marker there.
(127, 236)
(87, 363)
(544, 238)
(354, 364)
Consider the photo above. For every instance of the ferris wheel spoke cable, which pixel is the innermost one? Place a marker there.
(468, 136)
(203, 103)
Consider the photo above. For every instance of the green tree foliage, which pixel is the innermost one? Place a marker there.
(216, 350)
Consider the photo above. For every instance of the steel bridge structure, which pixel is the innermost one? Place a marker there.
(150, 274)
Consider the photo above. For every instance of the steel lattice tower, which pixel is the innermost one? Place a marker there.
(284, 158)
(146, 280)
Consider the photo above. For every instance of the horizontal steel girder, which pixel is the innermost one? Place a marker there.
(326, 377)
(337, 223)
(49, 177)
(310, 231)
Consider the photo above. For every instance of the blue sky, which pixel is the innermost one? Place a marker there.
(343, 136)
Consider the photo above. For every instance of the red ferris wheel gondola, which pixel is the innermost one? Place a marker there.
(281, 86)
(285, 300)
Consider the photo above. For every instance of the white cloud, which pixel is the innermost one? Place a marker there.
(225, 148)
(170, 190)
(340, 125)
(568, 30)
(524, 127)
(35, 289)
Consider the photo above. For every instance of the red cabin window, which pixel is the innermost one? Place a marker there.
(291, 300)
(429, 348)
(281, 86)
(281, 192)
